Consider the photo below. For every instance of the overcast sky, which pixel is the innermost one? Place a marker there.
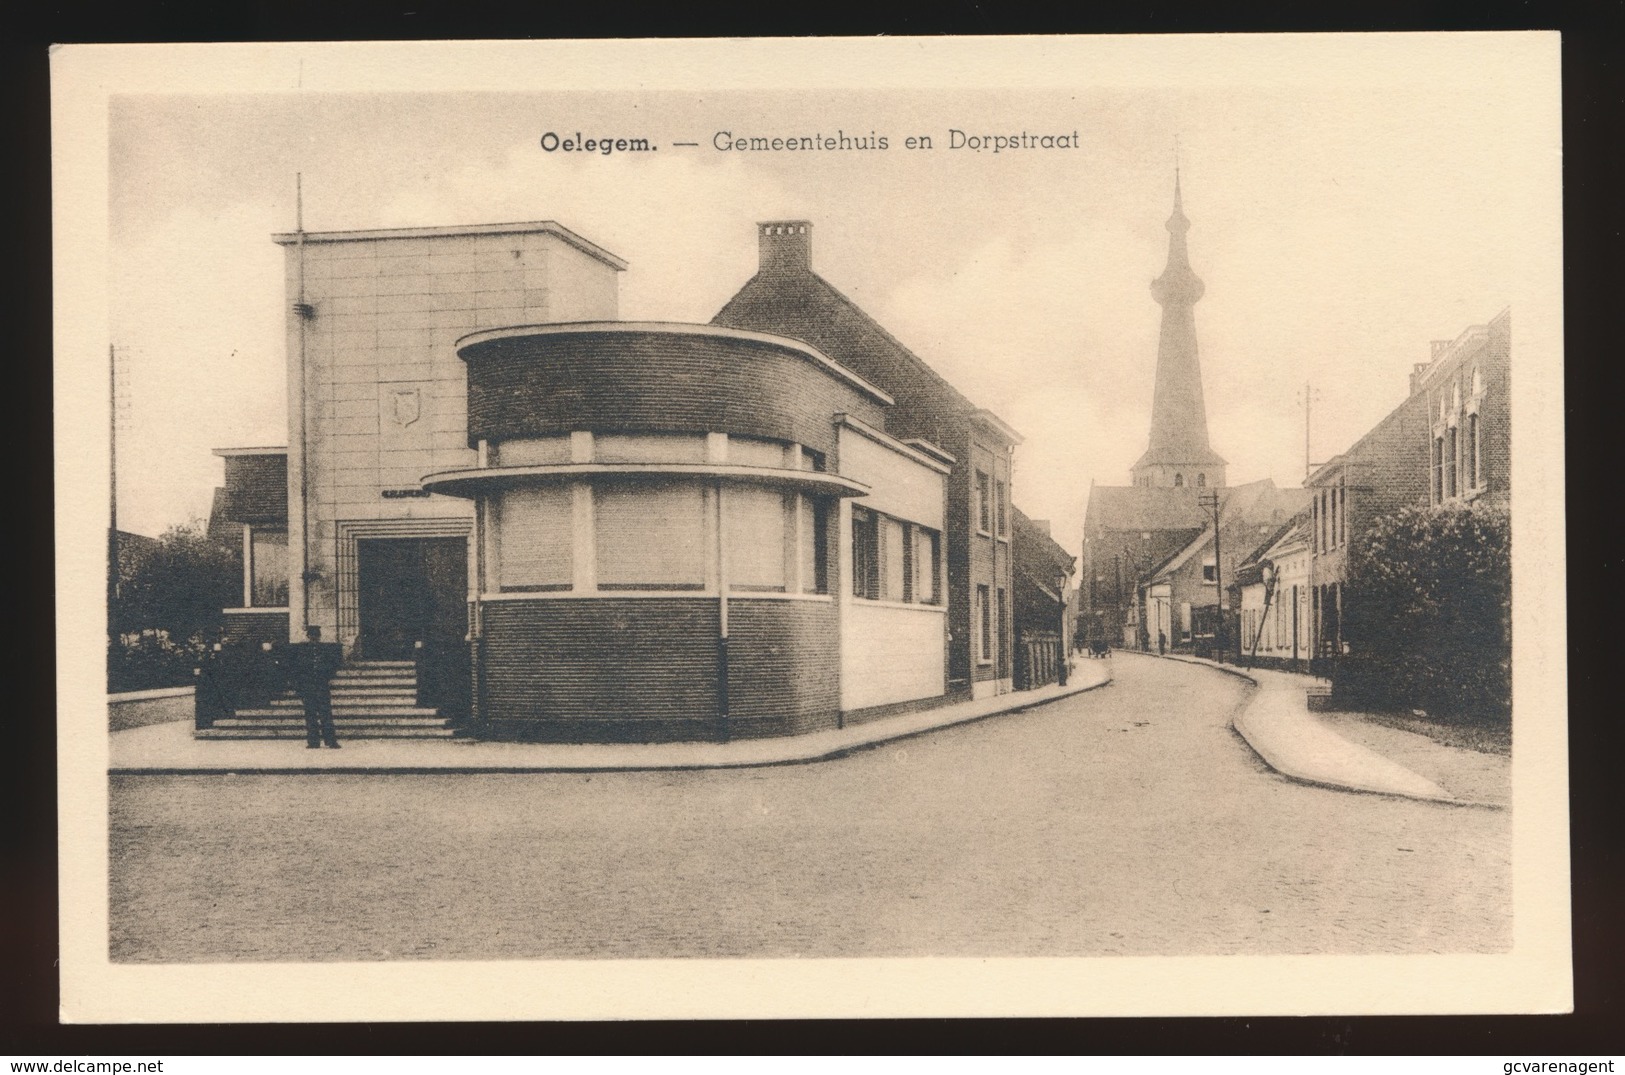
(1338, 232)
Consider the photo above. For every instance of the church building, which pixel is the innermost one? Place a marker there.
(1152, 556)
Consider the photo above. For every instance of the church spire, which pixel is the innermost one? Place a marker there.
(1179, 453)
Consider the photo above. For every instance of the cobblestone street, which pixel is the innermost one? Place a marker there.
(1129, 820)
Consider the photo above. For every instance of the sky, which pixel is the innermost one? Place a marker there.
(1338, 231)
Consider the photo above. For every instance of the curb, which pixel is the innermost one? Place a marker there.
(798, 755)
(151, 694)
(1238, 724)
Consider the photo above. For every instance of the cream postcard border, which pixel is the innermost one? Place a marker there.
(1535, 977)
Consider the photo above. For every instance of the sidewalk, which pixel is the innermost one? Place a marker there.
(170, 749)
(1306, 746)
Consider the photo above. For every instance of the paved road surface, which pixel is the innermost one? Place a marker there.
(1129, 820)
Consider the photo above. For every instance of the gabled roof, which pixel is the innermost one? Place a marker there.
(1134, 507)
(1295, 528)
(805, 306)
(1037, 554)
(1138, 507)
(1247, 506)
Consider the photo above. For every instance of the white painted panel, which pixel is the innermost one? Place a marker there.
(900, 486)
(890, 654)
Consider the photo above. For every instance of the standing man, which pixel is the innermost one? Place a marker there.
(314, 663)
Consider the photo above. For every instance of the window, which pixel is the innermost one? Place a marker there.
(894, 560)
(535, 529)
(927, 546)
(754, 531)
(651, 536)
(1179, 481)
(1469, 457)
(865, 554)
(1001, 494)
(813, 546)
(1450, 462)
(1201, 481)
(984, 510)
(1343, 516)
(1004, 634)
(268, 567)
(1210, 571)
(1438, 469)
(984, 627)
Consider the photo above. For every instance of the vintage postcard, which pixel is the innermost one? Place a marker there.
(807, 528)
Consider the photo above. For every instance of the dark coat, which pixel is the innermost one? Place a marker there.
(313, 665)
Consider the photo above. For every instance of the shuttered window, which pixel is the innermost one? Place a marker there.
(534, 532)
(650, 536)
(811, 547)
(755, 532)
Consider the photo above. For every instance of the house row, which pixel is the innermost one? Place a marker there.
(1181, 561)
(775, 522)
(1447, 443)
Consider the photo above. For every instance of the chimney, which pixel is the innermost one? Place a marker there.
(786, 246)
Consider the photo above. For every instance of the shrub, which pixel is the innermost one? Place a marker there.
(1427, 615)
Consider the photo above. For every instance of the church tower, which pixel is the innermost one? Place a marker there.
(1179, 454)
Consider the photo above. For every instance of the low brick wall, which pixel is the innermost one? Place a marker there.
(138, 709)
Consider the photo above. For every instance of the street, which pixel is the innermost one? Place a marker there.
(1129, 820)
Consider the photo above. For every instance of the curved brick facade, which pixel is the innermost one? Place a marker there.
(610, 669)
(550, 382)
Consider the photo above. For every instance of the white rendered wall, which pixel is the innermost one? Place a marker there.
(890, 652)
(385, 393)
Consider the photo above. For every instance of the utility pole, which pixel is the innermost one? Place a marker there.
(1211, 500)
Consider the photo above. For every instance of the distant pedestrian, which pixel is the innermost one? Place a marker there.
(313, 665)
(1162, 644)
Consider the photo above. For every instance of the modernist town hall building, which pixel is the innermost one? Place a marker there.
(777, 522)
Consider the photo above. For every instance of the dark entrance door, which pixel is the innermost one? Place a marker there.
(411, 590)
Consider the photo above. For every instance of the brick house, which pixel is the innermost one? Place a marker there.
(788, 298)
(1043, 602)
(1448, 442)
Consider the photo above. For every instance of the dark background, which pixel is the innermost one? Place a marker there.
(1592, 130)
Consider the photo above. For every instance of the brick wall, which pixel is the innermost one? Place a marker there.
(633, 381)
(645, 669)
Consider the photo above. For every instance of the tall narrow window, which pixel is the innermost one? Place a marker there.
(1179, 481)
(893, 557)
(1438, 468)
(269, 569)
(926, 565)
(1201, 481)
(1004, 634)
(984, 509)
(813, 547)
(1000, 497)
(1470, 454)
(865, 554)
(1450, 462)
(984, 626)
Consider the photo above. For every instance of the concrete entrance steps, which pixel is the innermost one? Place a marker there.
(371, 700)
